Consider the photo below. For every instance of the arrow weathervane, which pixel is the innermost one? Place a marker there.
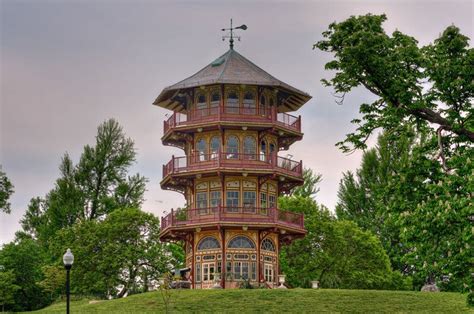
(231, 33)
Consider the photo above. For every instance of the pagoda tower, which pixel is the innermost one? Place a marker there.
(231, 121)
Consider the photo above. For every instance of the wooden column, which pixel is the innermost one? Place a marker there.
(223, 264)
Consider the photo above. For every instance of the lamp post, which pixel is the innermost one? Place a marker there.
(68, 259)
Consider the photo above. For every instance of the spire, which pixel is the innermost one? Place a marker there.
(231, 34)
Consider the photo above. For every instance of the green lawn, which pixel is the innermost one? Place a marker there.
(278, 301)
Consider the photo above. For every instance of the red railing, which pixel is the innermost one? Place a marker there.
(231, 113)
(247, 214)
(232, 160)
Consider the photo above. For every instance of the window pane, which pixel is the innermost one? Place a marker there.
(249, 103)
(232, 147)
(215, 200)
(215, 100)
(254, 271)
(232, 103)
(232, 201)
(241, 242)
(201, 199)
(208, 243)
(201, 147)
(263, 200)
(250, 147)
(272, 201)
(198, 272)
(249, 201)
(215, 146)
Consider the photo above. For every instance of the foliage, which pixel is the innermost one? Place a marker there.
(431, 85)
(337, 253)
(6, 190)
(310, 185)
(470, 299)
(8, 288)
(165, 290)
(24, 260)
(54, 279)
(122, 250)
(420, 213)
(278, 301)
(90, 190)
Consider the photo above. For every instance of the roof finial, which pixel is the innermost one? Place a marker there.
(231, 33)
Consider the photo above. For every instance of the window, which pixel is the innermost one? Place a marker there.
(272, 201)
(268, 272)
(263, 107)
(248, 103)
(267, 245)
(201, 202)
(232, 201)
(250, 147)
(249, 201)
(254, 271)
(241, 270)
(201, 102)
(241, 242)
(232, 147)
(215, 147)
(208, 271)
(215, 199)
(263, 200)
(232, 103)
(208, 243)
(215, 100)
(272, 151)
(263, 151)
(198, 272)
(201, 147)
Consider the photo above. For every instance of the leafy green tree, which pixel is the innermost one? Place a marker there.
(123, 251)
(431, 85)
(8, 288)
(364, 196)
(54, 279)
(90, 190)
(24, 260)
(336, 253)
(310, 185)
(6, 190)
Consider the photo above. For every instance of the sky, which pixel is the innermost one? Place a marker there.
(66, 66)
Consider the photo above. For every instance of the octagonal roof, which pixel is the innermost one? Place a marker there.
(231, 68)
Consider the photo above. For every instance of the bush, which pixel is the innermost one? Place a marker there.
(470, 299)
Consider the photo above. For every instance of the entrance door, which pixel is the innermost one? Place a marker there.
(268, 272)
(208, 270)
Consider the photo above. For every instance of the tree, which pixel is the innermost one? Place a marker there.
(364, 196)
(123, 250)
(336, 253)
(6, 190)
(24, 260)
(8, 288)
(431, 86)
(309, 187)
(92, 189)
(54, 278)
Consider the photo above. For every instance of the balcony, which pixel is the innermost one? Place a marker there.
(233, 161)
(268, 116)
(192, 218)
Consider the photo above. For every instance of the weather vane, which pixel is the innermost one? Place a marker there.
(231, 33)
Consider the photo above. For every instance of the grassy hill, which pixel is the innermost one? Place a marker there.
(277, 301)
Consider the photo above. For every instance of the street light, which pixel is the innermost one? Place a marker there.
(68, 260)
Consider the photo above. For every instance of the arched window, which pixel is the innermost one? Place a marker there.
(250, 147)
(201, 101)
(201, 147)
(263, 151)
(208, 243)
(263, 105)
(267, 245)
(241, 242)
(272, 151)
(215, 100)
(232, 147)
(232, 103)
(249, 103)
(215, 147)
